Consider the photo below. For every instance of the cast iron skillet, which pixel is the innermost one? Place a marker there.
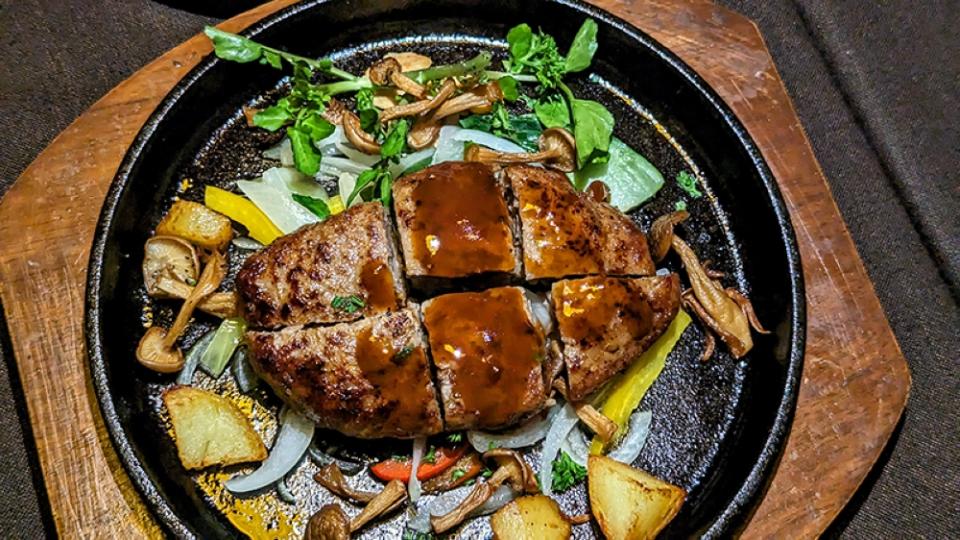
(718, 426)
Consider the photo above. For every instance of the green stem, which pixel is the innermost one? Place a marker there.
(519, 77)
(475, 64)
(341, 87)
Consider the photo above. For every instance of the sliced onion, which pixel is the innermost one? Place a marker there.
(413, 485)
(284, 493)
(293, 181)
(565, 421)
(540, 308)
(296, 432)
(328, 145)
(490, 141)
(446, 502)
(243, 372)
(356, 155)
(410, 160)
(282, 152)
(663, 272)
(448, 149)
(345, 184)
(527, 434)
(323, 458)
(629, 448)
(192, 360)
(278, 205)
(576, 446)
(247, 243)
(334, 165)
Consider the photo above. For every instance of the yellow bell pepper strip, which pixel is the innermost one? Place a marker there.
(243, 212)
(626, 393)
(335, 205)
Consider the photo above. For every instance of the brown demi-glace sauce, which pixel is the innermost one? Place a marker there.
(398, 374)
(376, 280)
(491, 350)
(589, 309)
(461, 225)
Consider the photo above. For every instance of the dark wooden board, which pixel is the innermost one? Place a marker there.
(855, 381)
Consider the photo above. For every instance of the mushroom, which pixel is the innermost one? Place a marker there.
(725, 311)
(389, 70)
(420, 107)
(424, 133)
(331, 477)
(598, 423)
(156, 349)
(329, 523)
(334, 111)
(171, 256)
(386, 501)
(558, 150)
(512, 469)
(410, 61)
(218, 304)
(478, 101)
(359, 138)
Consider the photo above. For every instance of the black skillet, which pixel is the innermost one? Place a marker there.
(718, 426)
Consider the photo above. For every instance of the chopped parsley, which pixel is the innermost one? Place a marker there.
(487, 472)
(455, 437)
(688, 183)
(566, 472)
(457, 474)
(403, 353)
(431, 455)
(680, 205)
(348, 304)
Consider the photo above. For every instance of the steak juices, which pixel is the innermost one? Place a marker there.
(336, 332)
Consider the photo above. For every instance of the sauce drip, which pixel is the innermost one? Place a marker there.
(376, 280)
(461, 224)
(591, 309)
(399, 376)
(491, 350)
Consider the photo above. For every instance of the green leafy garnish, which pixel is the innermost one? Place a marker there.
(631, 178)
(348, 304)
(487, 472)
(688, 183)
(367, 113)
(273, 118)
(419, 166)
(395, 141)
(523, 129)
(553, 112)
(305, 155)
(468, 68)
(567, 472)
(680, 206)
(370, 178)
(455, 437)
(583, 47)
(431, 455)
(457, 474)
(536, 54)
(237, 48)
(317, 206)
(592, 128)
(508, 86)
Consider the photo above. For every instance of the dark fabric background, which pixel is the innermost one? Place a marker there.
(875, 84)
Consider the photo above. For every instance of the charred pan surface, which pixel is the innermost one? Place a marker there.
(453, 222)
(489, 353)
(296, 279)
(604, 323)
(565, 233)
(366, 379)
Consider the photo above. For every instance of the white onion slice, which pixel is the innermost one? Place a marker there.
(663, 271)
(490, 141)
(357, 156)
(629, 448)
(345, 184)
(448, 149)
(410, 160)
(282, 152)
(413, 484)
(328, 145)
(293, 181)
(193, 358)
(334, 165)
(541, 310)
(565, 420)
(527, 434)
(245, 242)
(296, 432)
(576, 446)
(278, 205)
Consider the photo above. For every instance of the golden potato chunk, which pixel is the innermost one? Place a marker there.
(630, 504)
(210, 430)
(196, 224)
(535, 517)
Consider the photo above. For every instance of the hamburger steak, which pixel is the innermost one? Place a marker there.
(364, 367)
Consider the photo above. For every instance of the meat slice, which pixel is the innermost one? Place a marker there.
(298, 278)
(605, 323)
(367, 379)
(453, 222)
(489, 349)
(565, 233)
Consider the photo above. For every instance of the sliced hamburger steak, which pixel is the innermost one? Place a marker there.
(605, 323)
(490, 352)
(367, 379)
(299, 277)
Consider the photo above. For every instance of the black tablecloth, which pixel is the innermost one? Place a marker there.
(875, 84)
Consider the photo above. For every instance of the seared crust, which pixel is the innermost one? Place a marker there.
(605, 323)
(565, 233)
(366, 379)
(489, 354)
(296, 278)
(452, 220)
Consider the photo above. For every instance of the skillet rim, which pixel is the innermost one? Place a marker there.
(737, 511)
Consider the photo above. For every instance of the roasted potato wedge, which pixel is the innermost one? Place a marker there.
(196, 224)
(210, 430)
(630, 504)
(534, 517)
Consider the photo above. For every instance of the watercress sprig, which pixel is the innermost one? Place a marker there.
(237, 48)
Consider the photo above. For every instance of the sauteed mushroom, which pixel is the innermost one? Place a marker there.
(157, 350)
(604, 427)
(512, 469)
(329, 523)
(331, 477)
(386, 501)
(478, 101)
(424, 133)
(558, 150)
(388, 71)
(420, 107)
(218, 304)
(168, 256)
(359, 138)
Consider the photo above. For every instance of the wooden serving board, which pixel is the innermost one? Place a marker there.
(855, 381)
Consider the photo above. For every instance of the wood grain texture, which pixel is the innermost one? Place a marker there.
(855, 382)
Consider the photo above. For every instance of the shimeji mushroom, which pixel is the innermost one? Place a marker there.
(421, 107)
(558, 150)
(598, 423)
(389, 71)
(478, 100)
(328, 523)
(388, 500)
(157, 350)
(331, 477)
(170, 268)
(360, 139)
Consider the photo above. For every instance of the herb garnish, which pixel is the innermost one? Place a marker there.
(431, 455)
(680, 206)
(567, 472)
(688, 183)
(455, 437)
(403, 353)
(348, 304)
(523, 129)
(457, 474)
(317, 206)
